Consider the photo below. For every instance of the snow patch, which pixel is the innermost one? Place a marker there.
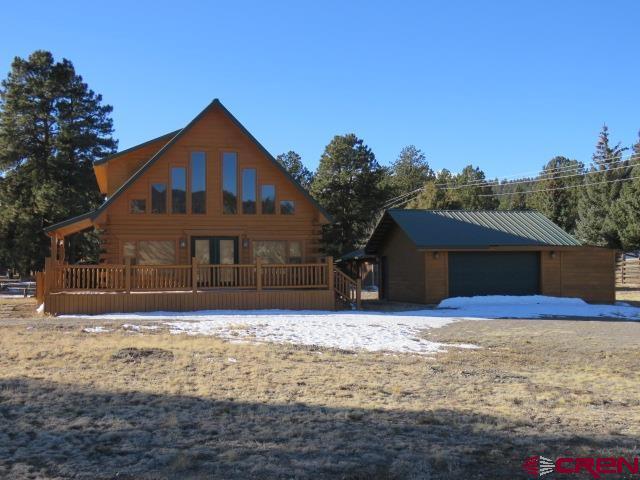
(97, 329)
(40, 308)
(399, 332)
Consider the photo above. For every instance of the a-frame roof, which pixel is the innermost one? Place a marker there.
(172, 140)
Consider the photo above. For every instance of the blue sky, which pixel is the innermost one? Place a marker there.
(504, 85)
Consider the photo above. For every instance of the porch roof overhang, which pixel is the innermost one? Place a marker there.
(71, 225)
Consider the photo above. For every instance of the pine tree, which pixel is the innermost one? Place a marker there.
(410, 171)
(596, 224)
(292, 162)
(435, 194)
(52, 127)
(349, 184)
(626, 211)
(471, 190)
(554, 199)
(517, 199)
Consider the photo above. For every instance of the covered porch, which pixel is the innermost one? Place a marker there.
(129, 287)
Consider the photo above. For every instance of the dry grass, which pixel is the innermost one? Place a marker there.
(152, 406)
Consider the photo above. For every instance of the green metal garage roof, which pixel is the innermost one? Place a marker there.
(456, 229)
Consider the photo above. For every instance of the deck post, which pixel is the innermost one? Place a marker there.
(48, 276)
(358, 293)
(330, 273)
(259, 274)
(194, 275)
(127, 274)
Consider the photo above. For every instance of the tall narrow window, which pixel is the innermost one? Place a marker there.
(158, 198)
(198, 182)
(287, 207)
(249, 190)
(178, 190)
(268, 199)
(229, 182)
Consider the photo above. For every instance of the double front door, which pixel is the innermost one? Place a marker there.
(215, 251)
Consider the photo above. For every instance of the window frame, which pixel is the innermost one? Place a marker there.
(287, 243)
(186, 189)
(293, 209)
(275, 199)
(221, 173)
(190, 183)
(137, 198)
(255, 189)
(166, 196)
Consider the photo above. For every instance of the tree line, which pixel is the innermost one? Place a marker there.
(53, 127)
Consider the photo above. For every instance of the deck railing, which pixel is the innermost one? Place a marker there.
(196, 277)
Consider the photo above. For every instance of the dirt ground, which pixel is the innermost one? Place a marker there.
(126, 405)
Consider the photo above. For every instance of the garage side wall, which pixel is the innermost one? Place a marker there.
(436, 276)
(588, 273)
(404, 268)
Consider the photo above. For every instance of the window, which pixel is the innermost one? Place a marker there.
(287, 207)
(178, 190)
(270, 251)
(229, 182)
(158, 198)
(156, 252)
(129, 251)
(137, 205)
(198, 182)
(268, 198)
(249, 190)
(295, 252)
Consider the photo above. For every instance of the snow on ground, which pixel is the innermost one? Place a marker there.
(372, 331)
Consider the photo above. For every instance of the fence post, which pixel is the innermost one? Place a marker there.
(358, 293)
(127, 274)
(330, 273)
(259, 274)
(48, 276)
(194, 275)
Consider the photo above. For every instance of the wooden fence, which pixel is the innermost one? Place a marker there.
(628, 271)
(126, 279)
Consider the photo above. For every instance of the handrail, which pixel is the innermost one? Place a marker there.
(347, 288)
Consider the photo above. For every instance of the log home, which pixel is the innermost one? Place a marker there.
(208, 195)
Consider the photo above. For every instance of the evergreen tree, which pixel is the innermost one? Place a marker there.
(626, 211)
(596, 224)
(410, 171)
(517, 199)
(349, 184)
(292, 162)
(554, 199)
(435, 193)
(52, 127)
(470, 190)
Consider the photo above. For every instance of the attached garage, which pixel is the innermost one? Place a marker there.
(494, 273)
(426, 256)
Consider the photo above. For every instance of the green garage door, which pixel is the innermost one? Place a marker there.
(494, 273)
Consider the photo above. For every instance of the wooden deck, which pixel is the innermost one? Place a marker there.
(98, 289)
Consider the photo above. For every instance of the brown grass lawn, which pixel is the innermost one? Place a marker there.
(124, 405)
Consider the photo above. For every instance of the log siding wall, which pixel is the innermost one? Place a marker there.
(213, 134)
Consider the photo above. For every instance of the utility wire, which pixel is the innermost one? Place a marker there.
(537, 179)
(559, 188)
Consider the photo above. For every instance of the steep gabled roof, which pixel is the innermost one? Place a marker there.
(172, 140)
(462, 229)
(166, 136)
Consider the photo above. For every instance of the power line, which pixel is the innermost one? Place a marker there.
(559, 188)
(543, 172)
(497, 182)
(402, 202)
